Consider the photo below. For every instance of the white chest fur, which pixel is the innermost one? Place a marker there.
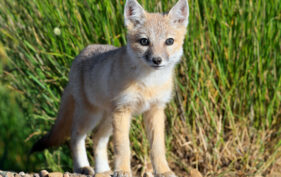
(141, 94)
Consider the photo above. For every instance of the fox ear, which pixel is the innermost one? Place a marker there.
(179, 13)
(134, 13)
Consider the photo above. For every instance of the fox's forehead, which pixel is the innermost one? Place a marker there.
(158, 26)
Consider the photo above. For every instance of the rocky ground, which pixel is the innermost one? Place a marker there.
(45, 173)
(42, 173)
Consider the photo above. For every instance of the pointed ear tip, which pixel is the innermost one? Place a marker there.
(132, 3)
(186, 2)
(182, 5)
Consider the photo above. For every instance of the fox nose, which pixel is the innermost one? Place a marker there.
(157, 60)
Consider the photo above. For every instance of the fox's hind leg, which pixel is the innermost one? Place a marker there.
(85, 119)
(100, 139)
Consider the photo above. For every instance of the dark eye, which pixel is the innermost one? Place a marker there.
(169, 41)
(144, 41)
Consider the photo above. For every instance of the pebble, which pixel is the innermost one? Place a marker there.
(66, 174)
(2, 173)
(22, 173)
(44, 173)
(147, 174)
(9, 174)
(55, 174)
(36, 175)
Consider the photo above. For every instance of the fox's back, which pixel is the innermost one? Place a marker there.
(93, 50)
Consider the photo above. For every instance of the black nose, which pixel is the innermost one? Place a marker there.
(157, 60)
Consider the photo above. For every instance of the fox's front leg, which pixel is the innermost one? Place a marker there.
(121, 126)
(154, 120)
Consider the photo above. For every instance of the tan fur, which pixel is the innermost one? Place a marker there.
(108, 85)
(64, 121)
(121, 126)
(147, 93)
(154, 124)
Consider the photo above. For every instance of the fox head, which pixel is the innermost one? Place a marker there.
(156, 39)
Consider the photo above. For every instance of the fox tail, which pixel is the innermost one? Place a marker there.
(62, 128)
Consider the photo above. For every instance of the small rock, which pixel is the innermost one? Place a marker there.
(9, 174)
(36, 175)
(66, 174)
(55, 174)
(17, 175)
(44, 173)
(103, 174)
(27, 175)
(22, 173)
(147, 174)
(2, 173)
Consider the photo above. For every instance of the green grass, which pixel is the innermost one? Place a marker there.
(226, 114)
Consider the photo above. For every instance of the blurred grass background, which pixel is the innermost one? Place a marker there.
(224, 119)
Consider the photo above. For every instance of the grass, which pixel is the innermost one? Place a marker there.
(224, 119)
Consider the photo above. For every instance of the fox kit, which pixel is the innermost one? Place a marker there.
(108, 85)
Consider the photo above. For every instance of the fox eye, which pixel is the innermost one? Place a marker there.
(144, 41)
(169, 41)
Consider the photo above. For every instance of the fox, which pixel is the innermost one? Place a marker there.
(109, 85)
